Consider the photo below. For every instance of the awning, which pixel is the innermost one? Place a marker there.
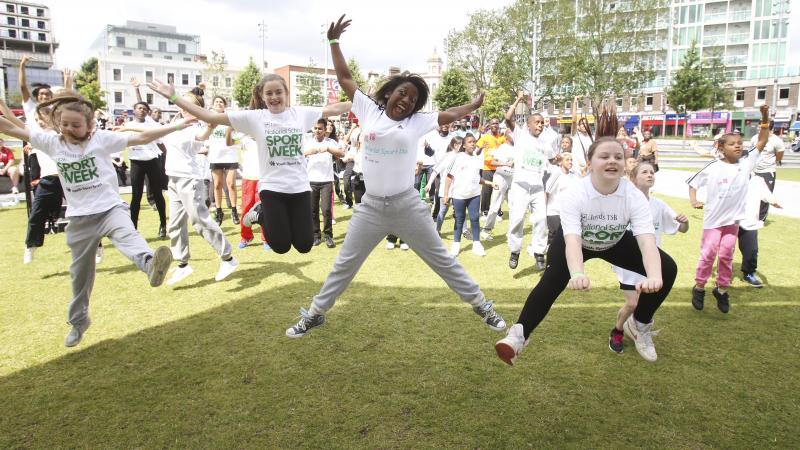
(795, 127)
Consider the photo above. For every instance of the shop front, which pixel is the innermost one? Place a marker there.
(663, 124)
(708, 124)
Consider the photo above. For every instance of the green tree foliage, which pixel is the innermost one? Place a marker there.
(215, 67)
(720, 94)
(87, 83)
(243, 84)
(453, 90)
(309, 85)
(689, 86)
(495, 104)
(355, 71)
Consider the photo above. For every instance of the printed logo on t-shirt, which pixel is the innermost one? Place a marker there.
(83, 171)
(532, 159)
(284, 146)
(601, 231)
(219, 133)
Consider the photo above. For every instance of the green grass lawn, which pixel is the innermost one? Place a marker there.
(401, 362)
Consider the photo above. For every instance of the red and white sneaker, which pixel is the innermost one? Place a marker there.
(511, 346)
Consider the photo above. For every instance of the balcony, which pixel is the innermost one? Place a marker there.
(738, 38)
(735, 60)
(710, 41)
(740, 15)
(717, 17)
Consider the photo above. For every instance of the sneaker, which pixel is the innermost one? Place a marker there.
(98, 255)
(752, 280)
(252, 216)
(226, 268)
(348, 206)
(266, 247)
(723, 303)
(162, 232)
(306, 323)
(179, 273)
(244, 243)
(14, 191)
(513, 260)
(477, 248)
(234, 216)
(27, 257)
(512, 345)
(390, 246)
(490, 316)
(219, 215)
(615, 340)
(333, 221)
(467, 233)
(317, 241)
(540, 264)
(642, 336)
(76, 333)
(698, 298)
(159, 264)
(455, 248)
(485, 236)
(404, 246)
(330, 244)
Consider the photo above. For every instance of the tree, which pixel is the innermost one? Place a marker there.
(244, 83)
(309, 85)
(689, 86)
(495, 104)
(215, 67)
(355, 71)
(453, 90)
(719, 92)
(88, 84)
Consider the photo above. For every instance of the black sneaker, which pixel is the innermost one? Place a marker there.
(317, 241)
(698, 298)
(615, 341)
(329, 242)
(722, 300)
(219, 215)
(752, 280)
(307, 322)
(513, 260)
(540, 264)
(234, 216)
(162, 232)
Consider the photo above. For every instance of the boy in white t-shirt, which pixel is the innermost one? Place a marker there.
(82, 156)
(320, 151)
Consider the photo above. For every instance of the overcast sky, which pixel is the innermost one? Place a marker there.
(402, 33)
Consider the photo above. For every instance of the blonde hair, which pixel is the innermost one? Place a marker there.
(66, 100)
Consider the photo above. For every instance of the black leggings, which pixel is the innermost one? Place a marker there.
(286, 220)
(152, 170)
(624, 254)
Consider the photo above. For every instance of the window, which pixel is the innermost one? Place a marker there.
(567, 106)
(117, 74)
(40, 25)
(170, 78)
(142, 44)
(619, 102)
(42, 37)
(740, 95)
(23, 10)
(26, 35)
(12, 33)
(11, 21)
(187, 59)
(648, 100)
(120, 41)
(761, 94)
(181, 48)
(25, 22)
(127, 54)
(117, 97)
(149, 99)
(185, 79)
(228, 83)
(148, 55)
(39, 12)
(162, 46)
(10, 8)
(198, 79)
(148, 76)
(634, 102)
(783, 93)
(215, 81)
(167, 56)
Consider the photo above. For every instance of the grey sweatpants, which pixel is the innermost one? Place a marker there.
(83, 236)
(187, 203)
(403, 215)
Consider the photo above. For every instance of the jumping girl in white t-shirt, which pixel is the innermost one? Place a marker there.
(90, 187)
(595, 216)
(285, 212)
(392, 126)
(665, 220)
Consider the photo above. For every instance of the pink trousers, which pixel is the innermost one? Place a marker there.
(717, 243)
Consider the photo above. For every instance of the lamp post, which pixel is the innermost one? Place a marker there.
(262, 30)
(782, 6)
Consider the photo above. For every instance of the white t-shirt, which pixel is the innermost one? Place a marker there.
(47, 167)
(443, 169)
(29, 108)
(439, 144)
(766, 161)
(218, 151)
(86, 171)
(726, 190)
(530, 157)
(426, 160)
(282, 166)
(557, 183)
(320, 165)
(182, 158)
(580, 151)
(551, 138)
(390, 147)
(504, 153)
(466, 175)
(249, 158)
(145, 152)
(757, 192)
(663, 222)
(601, 220)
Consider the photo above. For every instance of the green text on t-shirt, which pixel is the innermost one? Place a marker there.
(79, 171)
(284, 143)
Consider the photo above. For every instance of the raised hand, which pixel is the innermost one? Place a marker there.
(520, 95)
(478, 101)
(336, 30)
(24, 60)
(163, 89)
(134, 82)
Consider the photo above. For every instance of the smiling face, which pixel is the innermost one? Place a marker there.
(275, 96)
(43, 95)
(494, 126)
(400, 103)
(469, 144)
(218, 105)
(645, 176)
(566, 162)
(607, 162)
(73, 125)
(731, 148)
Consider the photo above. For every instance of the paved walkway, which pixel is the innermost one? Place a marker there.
(673, 184)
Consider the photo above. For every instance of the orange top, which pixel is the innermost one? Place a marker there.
(491, 142)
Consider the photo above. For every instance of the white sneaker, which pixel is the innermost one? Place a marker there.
(642, 336)
(511, 346)
(333, 221)
(98, 255)
(28, 256)
(14, 191)
(226, 268)
(179, 273)
(485, 236)
(403, 246)
(390, 245)
(499, 218)
(477, 248)
(455, 247)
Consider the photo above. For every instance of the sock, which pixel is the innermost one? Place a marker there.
(229, 258)
(182, 265)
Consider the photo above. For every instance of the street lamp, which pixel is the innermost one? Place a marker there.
(262, 30)
(782, 6)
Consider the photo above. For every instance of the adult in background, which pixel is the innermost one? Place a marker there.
(438, 141)
(767, 164)
(648, 151)
(487, 144)
(8, 167)
(353, 141)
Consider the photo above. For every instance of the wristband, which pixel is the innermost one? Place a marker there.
(173, 98)
(576, 275)
(333, 41)
(179, 126)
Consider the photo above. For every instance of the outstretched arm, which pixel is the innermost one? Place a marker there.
(206, 115)
(7, 127)
(336, 109)
(457, 112)
(23, 79)
(339, 63)
(7, 114)
(151, 134)
(135, 84)
(512, 109)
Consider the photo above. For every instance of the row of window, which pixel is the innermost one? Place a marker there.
(141, 44)
(40, 24)
(761, 94)
(24, 10)
(150, 55)
(117, 75)
(13, 34)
